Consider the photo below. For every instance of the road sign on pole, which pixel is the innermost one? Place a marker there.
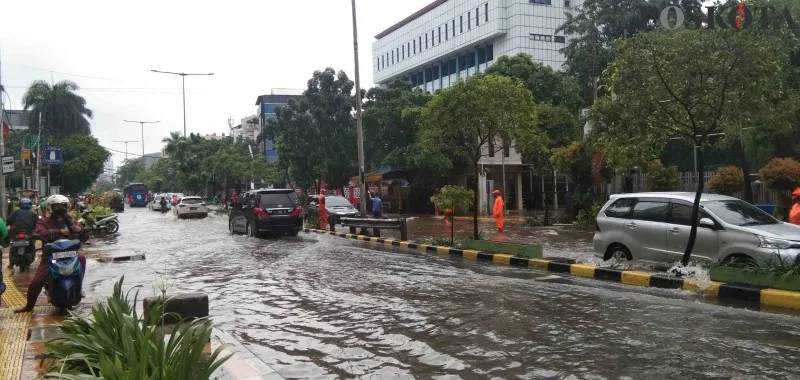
(8, 164)
(31, 141)
(52, 155)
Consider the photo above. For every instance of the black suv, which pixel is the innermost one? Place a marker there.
(267, 210)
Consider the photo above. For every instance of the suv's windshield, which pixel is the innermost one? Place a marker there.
(278, 200)
(333, 201)
(739, 213)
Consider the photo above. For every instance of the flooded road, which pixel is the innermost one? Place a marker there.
(328, 308)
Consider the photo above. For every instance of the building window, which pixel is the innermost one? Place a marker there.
(426, 40)
(378, 64)
(543, 2)
(477, 16)
(439, 36)
(566, 4)
(541, 37)
(454, 27)
(432, 39)
(460, 24)
(392, 60)
(559, 39)
(420, 44)
(489, 53)
(415, 46)
(469, 20)
(491, 147)
(403, 52)
(445, 32)
(398, 54)
(408, 49)
(486, 12)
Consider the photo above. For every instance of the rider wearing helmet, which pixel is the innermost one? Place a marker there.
(57, 225)
(22, 220)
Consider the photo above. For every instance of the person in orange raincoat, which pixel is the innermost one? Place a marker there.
(323, 211)
(794, 212)
(498, 210)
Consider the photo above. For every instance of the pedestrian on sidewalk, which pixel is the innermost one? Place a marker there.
(794, 212)
(323, 211)
(498, 211)
(377, 206)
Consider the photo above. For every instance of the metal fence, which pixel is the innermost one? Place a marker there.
(687, 181)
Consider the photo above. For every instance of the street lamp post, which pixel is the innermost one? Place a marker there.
(183, 86)
(142, 123)
(126, 146)
(362, 204)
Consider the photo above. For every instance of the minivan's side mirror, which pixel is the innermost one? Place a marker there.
(707, 222)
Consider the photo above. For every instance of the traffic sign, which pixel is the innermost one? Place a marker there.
(8, 164)
(31, 141)
(52, 155)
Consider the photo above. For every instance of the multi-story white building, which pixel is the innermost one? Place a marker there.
(452, 39)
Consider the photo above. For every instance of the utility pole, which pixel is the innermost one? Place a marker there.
(183, 86)
(2, 148)
(142, 123)
(126, 146)
(363, 202)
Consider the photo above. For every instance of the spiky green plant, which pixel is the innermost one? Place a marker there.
(117, 343)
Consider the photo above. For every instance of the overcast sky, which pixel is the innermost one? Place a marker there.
(251, 46)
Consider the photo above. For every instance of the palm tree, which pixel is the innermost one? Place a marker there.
(173, 141)
(63, 111)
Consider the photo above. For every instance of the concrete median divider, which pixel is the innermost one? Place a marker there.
(744, 295)
(187, 305)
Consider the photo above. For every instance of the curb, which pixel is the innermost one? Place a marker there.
(749, 295)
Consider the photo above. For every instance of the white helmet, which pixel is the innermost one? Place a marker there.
(56, 199)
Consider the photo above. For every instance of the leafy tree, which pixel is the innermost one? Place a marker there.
(84, 159)
(598, 23)
(390, 118)
(454, 198)
(63, 111)
(465, 118)
(129, 171)
(727, 180)
(546, 85)
(694, 80)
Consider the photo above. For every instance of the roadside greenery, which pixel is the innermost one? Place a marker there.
(726, 180)
(119, 343)
(453, 198)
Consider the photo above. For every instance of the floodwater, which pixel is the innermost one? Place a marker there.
(323, 307)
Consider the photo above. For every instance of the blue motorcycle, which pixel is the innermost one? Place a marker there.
(65, 275)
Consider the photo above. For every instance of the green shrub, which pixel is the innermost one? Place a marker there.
(586, 220)
(661, 178)
(781, 174)
(119, 344)
(726, 180)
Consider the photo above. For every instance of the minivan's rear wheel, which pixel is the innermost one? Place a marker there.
(250, 232)
(618, 252)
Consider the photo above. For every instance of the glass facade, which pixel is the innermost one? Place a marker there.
(464, 63)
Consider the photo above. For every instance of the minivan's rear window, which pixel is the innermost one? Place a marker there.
(278, 200)
(650, 211)
(192, 201)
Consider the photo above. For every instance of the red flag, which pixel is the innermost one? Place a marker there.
(6, 129)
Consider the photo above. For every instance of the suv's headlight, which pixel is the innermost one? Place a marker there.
(773, 243)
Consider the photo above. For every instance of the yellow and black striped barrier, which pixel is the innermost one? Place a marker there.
(741, 294)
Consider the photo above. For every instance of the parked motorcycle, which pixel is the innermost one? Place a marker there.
(64, 275)
(103, 224)
(22, 251)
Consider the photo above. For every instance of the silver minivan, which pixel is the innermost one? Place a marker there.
(655, 227)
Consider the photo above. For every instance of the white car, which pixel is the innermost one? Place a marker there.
(155, 204)
(191, 207)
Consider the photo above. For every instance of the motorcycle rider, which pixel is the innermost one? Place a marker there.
(58, 225)
(163, 204)
(22, 220)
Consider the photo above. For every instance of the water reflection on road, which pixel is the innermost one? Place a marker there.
(324, 307)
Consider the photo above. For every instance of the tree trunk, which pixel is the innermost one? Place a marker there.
(476, 203)
(695, 209)
(546, 204)
(452, 228)
(748, 188)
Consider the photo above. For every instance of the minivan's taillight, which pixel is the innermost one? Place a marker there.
(297, 211)
(596, 226)
(260, 212)
(20, 236)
